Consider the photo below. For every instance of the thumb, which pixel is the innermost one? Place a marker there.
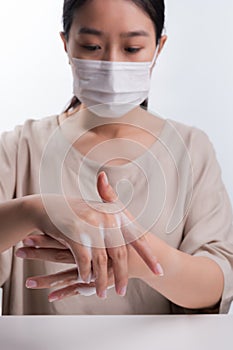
(105, 190)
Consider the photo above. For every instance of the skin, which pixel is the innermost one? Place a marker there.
(188, 281)
(113, 45)
(114, 48)
(29, 213)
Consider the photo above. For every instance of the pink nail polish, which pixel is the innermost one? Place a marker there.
(103, 295)
(31, 284)
(29, 242)
(105, 179)
(122, 291)
(52, 299)
(159, 270)
(21, 254)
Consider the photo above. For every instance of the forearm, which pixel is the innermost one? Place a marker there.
(188, 281)
(16, 221)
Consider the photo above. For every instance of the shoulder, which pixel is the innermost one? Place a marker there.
(40, 126)
(32, 130)
(199, 151)
(188, 132)
(195, 140)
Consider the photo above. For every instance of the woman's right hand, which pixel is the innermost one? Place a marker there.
(93, 232)
(44, 248)
(81, 233)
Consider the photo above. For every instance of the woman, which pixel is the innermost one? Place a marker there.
(145, 209)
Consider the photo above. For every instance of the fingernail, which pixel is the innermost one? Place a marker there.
(122, 291)
(51, 299)
(159, 270)
(81, 279)
(103, 295)
(105, 179)
(31, 284)
(21, 254)
(29, 242)
(88, 279)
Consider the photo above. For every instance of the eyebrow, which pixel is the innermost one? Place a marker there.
(135, 33)
(93, 31)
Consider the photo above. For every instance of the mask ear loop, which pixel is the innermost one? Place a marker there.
(155, 55)
(164, 32)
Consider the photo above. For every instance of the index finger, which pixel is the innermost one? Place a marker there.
(134, 236)
(144, 250)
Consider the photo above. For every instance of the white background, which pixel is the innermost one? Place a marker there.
(192, 82)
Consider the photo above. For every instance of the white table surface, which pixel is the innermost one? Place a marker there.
(117, 332)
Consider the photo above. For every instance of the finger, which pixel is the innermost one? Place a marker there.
(144, 250)
(119, 258)
(48, 254)
(64, 293)
(82, 258)
(83, 288)
(79, 288)
(105, 190)
(100, 271)
(117, 251)
(63, 278)
(66, 278)
(135, 236)
(42, 241)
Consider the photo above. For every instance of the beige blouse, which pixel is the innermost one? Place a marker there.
(174, 189)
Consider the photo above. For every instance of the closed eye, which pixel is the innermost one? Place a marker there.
(91, 47)
(133, 49)
(96, 47)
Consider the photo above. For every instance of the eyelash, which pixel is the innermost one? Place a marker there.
(89, 48)
(132, 50)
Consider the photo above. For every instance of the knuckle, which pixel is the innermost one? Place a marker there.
(118, 253)
(92, 219)
(101, 259)
(31, 252)
(104, 219)
(83, 259)
(61, 256)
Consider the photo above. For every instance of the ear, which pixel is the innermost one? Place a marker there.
(62, 35)
(162, 42)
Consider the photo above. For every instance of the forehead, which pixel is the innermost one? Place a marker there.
(113, 16)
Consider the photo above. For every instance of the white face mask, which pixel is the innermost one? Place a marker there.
(111, 89)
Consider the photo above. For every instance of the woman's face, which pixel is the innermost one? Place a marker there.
(113, 30)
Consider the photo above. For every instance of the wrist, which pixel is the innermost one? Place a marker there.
(31, 205)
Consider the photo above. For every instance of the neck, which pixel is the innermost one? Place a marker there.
(107, 127)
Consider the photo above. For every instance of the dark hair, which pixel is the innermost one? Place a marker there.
(154, 8)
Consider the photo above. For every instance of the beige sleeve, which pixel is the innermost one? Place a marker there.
(8, 160)
(208, 227)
